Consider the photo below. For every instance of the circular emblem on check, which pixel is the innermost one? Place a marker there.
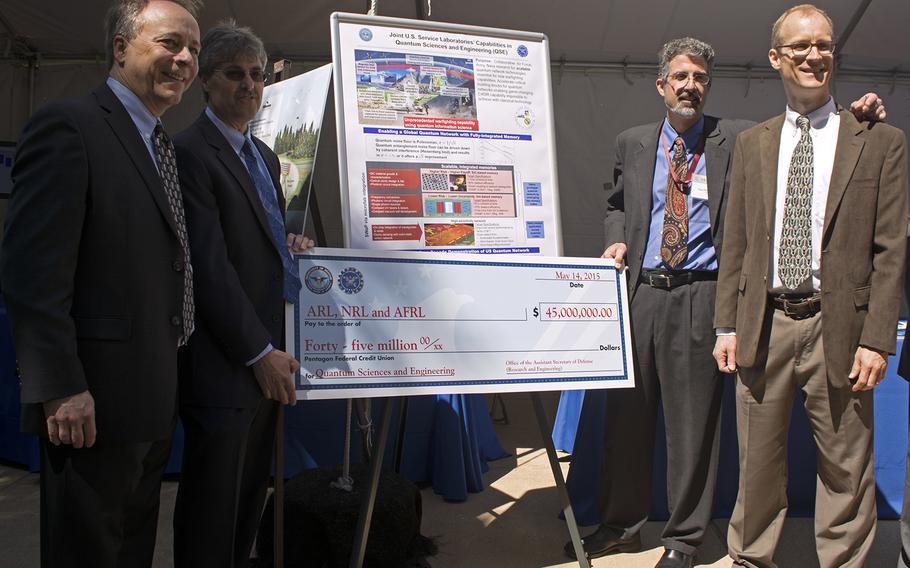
(318, 280)
(350, 280)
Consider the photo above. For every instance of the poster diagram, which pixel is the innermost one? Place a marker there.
(415, 91)
(445, 137)
(289, 122)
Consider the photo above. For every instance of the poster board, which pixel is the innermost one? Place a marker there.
(446, 137)
(289, 122)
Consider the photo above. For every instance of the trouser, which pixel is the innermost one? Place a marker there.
(673, 338)
(226, 464)
(842, 423)
(99, 505)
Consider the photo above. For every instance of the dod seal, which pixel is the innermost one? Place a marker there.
(350, 280)
(318, 280)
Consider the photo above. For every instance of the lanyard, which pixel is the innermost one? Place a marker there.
(695, 158)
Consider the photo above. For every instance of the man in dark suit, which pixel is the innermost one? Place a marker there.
(235, 374)
(903, 369)
(95, 273)
(810, 285)
(671, 252)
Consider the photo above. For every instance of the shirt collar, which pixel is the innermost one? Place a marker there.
(234, 137)
(818, 118)
(690, 137)
(144, 120)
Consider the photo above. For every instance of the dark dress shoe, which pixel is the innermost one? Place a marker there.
(674, 559)
(604, 541)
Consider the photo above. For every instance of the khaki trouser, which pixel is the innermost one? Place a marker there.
(841, 421)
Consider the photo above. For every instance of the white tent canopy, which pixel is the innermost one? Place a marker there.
(603, 56)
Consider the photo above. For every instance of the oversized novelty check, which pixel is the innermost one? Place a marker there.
(380, 323)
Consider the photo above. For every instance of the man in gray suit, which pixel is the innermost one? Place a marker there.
(665, 221)
(811, 281)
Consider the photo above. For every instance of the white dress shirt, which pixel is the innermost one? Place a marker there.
(823, 126)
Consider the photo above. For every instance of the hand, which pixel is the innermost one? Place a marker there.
(275, 375)
(725, 353)
(71, 420)
(869, 107)
(868, 368)
(300, 243)
(616, 252)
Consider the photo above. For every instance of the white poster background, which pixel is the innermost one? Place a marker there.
(446, 138)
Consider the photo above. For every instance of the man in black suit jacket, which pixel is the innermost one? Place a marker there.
(903, 369)
(236, 373)
(671, 292)
(93, 273)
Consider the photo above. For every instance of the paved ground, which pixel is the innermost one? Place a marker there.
(513, 523)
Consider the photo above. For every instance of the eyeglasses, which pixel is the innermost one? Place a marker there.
(237, 74)
(802, 48)
(681, 78)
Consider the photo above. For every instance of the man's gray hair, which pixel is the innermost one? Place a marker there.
(684, 46)
(124, 18)
(224, 43)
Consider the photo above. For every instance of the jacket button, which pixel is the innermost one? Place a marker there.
(276, 318)
(276, 276)
(175, 320)
(178, 266)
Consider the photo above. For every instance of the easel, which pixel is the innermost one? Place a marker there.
(281, 69)
(369, 497)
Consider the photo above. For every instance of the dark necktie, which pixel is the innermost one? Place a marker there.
(269, 198)
(167, 168)
(674, 241)
(794, 259)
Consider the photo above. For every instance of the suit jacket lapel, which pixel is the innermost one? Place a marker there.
(718, 158)
(849, 147)
(642, 163)
(125, 130)
(231, 161)
(769, 146)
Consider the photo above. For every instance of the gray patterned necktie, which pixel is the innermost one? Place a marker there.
(167, 168)
(794, 259)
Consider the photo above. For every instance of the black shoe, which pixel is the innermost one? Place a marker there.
(674, 559)
(604, 541)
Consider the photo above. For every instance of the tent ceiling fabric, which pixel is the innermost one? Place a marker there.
(579, 30)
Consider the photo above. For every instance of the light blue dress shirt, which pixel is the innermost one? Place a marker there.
(701, 253)
(144, 120)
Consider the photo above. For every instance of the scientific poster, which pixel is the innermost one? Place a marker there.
(446, 138)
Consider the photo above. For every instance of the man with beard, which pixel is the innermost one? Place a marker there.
(665, 220)
(811, 281)
(98, 284)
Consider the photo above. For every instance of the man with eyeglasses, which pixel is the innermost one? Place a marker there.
(235, 374)
(665, 221)
(808, 297)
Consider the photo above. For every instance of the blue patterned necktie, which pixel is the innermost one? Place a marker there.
(794, 258)
(167, 168)
(269, 198)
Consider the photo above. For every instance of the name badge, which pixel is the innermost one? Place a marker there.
(698, 189)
